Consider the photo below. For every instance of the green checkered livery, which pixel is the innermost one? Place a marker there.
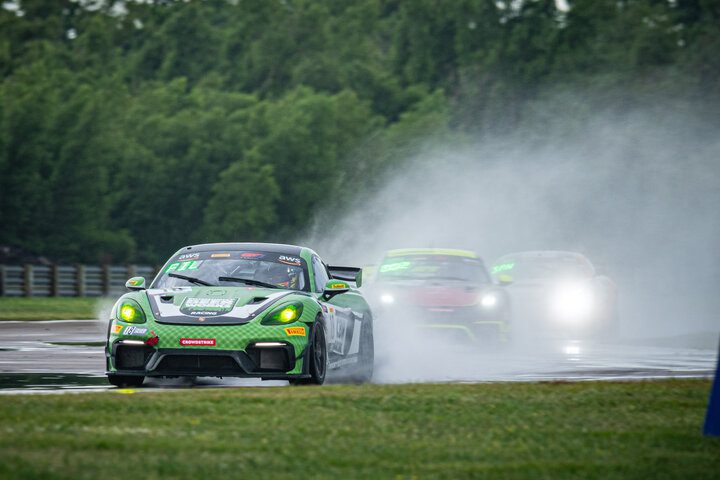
(227, 337)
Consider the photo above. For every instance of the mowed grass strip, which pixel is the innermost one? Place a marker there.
(49, 308)
(644, 430)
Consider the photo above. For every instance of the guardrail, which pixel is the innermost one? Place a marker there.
(68, 280)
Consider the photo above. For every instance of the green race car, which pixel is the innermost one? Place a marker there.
(446, 291)
(242, 310)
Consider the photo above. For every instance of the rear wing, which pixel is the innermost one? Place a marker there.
(347, 274)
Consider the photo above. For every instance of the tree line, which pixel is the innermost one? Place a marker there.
(130, 129)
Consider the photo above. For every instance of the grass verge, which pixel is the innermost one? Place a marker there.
(550, 430)
(48, 308)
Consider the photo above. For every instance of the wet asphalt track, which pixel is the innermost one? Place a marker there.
(43, 357)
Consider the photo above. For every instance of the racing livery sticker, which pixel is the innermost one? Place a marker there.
(207, 307)
(295, 331)
(117, 329)
(503, 267)
(198, 342)
(220, 255)
(132, 330)
(391, 267)
(288, 260)
(187, 265)
(252, 255)
(188, 256)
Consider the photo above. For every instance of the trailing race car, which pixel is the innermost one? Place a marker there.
(243, 310)
(558, 293)
(448, 291)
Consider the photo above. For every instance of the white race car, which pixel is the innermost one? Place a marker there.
(558, 294)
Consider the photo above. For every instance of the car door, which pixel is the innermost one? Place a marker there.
(339, 321)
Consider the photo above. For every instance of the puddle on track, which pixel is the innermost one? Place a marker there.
(51, 381)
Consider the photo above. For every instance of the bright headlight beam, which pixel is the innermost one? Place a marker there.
(288, 314)
(127, 312)
(572, 302)
(489, 300)
(387, 299)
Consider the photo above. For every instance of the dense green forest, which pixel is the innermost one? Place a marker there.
(129, 129)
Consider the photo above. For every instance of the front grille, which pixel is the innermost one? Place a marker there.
(453, 314)
(199, 364)
(277, 359)
(131, 357)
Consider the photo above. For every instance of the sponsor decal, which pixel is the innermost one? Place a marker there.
(188, 256)
(339, 285)
(252, 255)
(289, 260)
(135, 282)
(220, 255)
(503, 267)
(393, 267)
(207, 307)
(344, 361)
(324, 308)
(117, 329)
(181, 266)
(131, 330)
(295, 331)
(198, 342)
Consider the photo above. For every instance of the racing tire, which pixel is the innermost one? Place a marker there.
(316, 356)
(122, 381)
(366, 361)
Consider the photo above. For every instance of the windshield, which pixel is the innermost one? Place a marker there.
(433, 267)
(235, 268)
(544, 268)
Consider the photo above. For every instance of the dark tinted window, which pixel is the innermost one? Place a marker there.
(433, 267)
(285, 271)
(321, 275)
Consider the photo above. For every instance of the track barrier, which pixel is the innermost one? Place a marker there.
(69, 280)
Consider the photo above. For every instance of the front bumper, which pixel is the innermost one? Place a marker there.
(465, 324)
(476, 332)
(277, 362)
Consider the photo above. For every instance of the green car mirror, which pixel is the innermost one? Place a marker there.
(136, 283)
(505, 279)
(335, 287)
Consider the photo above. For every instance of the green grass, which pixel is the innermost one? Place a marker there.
(643, 430)
(48, 308)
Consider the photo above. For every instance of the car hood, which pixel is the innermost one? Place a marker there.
(211, 305)
(431, 296)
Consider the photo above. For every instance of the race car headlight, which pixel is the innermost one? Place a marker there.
(489, 300)
(572, 302)
(130, 312)
(387, 299)
(286, 313)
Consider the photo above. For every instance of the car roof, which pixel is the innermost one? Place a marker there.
(402, 252)
(542, 254)
(263, 247)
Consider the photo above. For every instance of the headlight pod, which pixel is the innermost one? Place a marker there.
(572, 302)
(283, 314)
(130, 311)
(489, 300)
(387, 299)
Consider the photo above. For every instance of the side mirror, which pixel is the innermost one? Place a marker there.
(505, 280)
(370, 271)
(335, 287)
(358, 279)
(136, 283)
